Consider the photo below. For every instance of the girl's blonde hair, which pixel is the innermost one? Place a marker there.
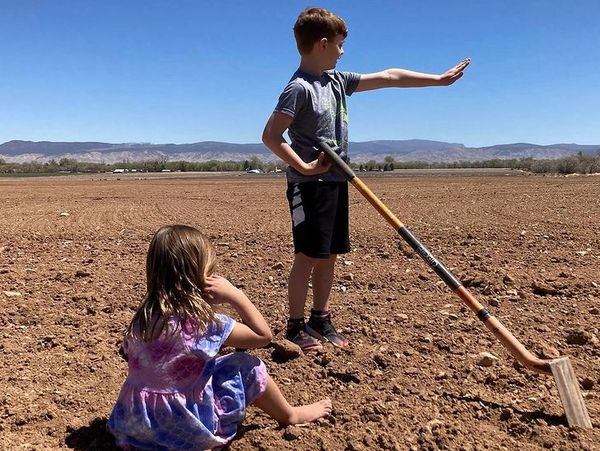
(179, 259)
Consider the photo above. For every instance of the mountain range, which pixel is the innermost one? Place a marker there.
(401, 150)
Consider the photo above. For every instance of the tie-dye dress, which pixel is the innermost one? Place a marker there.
(179, 396)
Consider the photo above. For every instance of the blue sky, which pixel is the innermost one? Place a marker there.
(187, 71)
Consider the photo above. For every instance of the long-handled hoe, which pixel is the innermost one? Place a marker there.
(560, 368)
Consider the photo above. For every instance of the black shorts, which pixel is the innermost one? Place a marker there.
(319, 218)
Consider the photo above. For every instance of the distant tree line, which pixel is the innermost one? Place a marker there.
(578, 164)
(68, 165)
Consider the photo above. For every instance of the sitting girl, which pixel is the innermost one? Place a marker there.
(178, 394)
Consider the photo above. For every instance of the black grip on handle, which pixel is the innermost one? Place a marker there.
(337, 160)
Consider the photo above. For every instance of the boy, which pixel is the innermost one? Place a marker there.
(312, 108)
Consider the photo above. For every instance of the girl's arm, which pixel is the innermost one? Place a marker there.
(402, 78)
(254, 332)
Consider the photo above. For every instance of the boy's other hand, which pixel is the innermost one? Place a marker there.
(451, 75)
(318, 166)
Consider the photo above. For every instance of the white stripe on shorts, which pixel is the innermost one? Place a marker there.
(297, 208)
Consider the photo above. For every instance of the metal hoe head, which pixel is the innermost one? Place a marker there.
(570, 396)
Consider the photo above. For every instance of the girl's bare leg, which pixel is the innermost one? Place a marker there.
(275, 405)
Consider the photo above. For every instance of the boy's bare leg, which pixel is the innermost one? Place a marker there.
(297, 292)
(319, 325)
(273, 403)
(322, 281)
(298, 284)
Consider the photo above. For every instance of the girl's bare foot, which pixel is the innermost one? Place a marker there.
(275, 405)
(310, 412)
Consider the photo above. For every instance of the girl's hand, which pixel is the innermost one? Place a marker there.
(219, 290)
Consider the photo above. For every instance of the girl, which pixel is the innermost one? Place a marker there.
(178, 394)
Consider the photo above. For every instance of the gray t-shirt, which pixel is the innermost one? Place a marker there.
(317, 105)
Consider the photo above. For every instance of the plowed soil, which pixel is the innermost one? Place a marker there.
(72, 253)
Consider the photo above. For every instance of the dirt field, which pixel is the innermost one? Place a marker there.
(72, 272)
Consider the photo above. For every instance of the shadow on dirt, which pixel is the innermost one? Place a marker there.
(94, 437)
(344, 377)
(524, 416)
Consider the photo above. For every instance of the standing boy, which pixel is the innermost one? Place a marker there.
(313, 109)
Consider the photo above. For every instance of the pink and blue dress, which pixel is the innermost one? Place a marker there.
(179, 395)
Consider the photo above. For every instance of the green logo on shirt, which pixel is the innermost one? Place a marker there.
(343, 111)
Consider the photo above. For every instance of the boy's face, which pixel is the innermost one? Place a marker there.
(333, 49)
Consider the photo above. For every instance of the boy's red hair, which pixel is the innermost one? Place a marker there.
(314, 24)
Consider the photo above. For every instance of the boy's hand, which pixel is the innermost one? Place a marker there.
(219, 290)
(451, 75)
(318, 166)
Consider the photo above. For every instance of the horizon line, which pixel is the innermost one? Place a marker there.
(260, 143)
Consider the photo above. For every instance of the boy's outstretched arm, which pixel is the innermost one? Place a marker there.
(402, 78)
(272, 137)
